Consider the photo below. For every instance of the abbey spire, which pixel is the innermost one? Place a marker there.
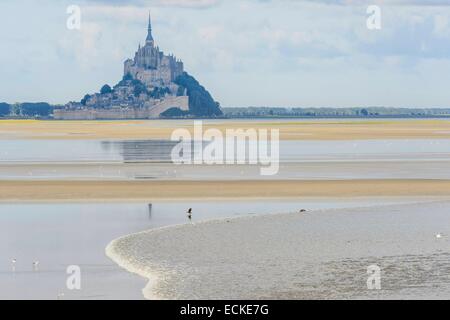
(152, 67)
(149, 39)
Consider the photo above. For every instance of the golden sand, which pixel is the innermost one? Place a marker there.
(171, 190)
(289, 130)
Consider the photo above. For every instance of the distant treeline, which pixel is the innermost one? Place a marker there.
(252, 112)
(26, 110)
(45, 110)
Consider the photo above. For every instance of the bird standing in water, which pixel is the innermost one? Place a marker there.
(13, 262)
(150, 210)
(189, 213)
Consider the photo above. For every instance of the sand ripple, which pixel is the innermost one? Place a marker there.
(313, 255)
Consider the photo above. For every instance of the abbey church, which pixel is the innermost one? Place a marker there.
(151, 66)
(147, 90)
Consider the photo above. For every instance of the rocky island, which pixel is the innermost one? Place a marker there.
(154, 85)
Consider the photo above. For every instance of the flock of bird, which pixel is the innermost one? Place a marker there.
(189, 215)
(35, 264)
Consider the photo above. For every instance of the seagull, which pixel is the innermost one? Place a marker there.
(13, 262)
(438, 236)
(35, 265)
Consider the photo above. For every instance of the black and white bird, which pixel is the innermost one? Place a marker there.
(189, 213)
(35, 265)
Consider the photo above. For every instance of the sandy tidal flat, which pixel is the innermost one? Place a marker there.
(59, 190)
(312, 255)
(290, 129)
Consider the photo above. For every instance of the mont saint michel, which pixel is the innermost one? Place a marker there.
(153, 85)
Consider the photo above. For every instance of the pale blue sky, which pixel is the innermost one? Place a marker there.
(247, 53)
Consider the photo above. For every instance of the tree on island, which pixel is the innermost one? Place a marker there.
(36, 109)
(85, 99)
(5, 109)
(125, 80)
(138, 87)
(127, 77)
(174, 113)
(364, 112)
(159, 92)
(201, 104)
(105, 89)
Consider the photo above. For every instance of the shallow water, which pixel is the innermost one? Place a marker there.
(59, 235)
(63, 234)
(150, 159)
(159, 150)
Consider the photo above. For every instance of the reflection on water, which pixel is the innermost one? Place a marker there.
(150, 159)
(159, 150)
(140, 150)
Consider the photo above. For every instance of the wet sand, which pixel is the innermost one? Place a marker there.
(326, 170)
(60, 190)
(79, 180)
(63, 234)
(290, 129)
(313, 255)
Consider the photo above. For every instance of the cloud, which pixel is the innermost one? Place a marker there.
(371, 2)
(195, 4)
(205, 4)
(276, 52)
(83, 44)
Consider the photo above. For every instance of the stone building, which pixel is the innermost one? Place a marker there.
(146, 90)
(152, 66)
